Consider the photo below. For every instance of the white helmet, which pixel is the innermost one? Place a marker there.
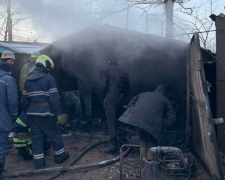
(45, 61)
(7, 55)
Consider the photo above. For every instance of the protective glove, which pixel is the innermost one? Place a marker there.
(62, 119)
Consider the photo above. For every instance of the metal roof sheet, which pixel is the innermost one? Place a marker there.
(20, 47)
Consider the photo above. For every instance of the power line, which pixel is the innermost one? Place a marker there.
(202, 32)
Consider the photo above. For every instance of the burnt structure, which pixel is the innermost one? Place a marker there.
(149, 61)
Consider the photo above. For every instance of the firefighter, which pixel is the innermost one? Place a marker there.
(150, 112)
(40, 101)
(8, 56)
(115, 87)
(8, 108)
(27, 68)
(22, 140)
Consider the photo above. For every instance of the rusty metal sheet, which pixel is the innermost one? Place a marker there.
(202, 131)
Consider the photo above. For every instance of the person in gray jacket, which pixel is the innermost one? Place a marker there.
(150, 113)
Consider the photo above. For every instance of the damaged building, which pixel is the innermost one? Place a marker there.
(188, 71)
(149, 61)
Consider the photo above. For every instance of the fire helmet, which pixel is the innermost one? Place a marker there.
(45, 61)
(6, 55)
(34, 56)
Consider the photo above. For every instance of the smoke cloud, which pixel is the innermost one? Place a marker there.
(149, 60)
(57, 19)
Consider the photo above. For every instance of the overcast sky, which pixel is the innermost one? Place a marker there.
(54, 19)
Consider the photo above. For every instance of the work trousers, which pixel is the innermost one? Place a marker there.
(40, 127)
(116, 129)
(73, 107)
(3, 146)
(146, 139)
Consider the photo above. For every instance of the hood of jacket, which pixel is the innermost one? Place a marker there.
(37, 72)
(2, 73)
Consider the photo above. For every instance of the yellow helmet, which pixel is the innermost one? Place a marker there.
(45, 61)
(35, 55)
(7, 55)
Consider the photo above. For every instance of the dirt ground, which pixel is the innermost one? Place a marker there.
(75, 142)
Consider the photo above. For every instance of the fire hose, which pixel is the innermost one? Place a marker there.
(68, 167)
(77, 158)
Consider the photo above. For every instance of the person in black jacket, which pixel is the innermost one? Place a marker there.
(40, 101)
(8, 109)
(115, 87)
(150, 112)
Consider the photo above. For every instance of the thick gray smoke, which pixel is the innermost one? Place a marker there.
(149, 60)
(56, 18)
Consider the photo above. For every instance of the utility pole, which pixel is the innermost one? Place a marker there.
(9, 22)
(128, 8)
(169, 17)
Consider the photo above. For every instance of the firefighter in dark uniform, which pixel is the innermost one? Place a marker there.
(40, 101)
(115, 86)
(22, 140)
(150, 113)
(8, 109)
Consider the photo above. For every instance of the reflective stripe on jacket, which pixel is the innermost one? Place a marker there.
(41, 97)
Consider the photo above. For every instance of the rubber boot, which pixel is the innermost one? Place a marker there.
(39, 163)
(61, 157)
(113, 147)
(149, 155)
(25, 153)
(1, 169)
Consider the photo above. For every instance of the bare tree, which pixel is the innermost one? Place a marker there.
(12, 15)
(145, 5)
(197, 21)
(187, 19)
